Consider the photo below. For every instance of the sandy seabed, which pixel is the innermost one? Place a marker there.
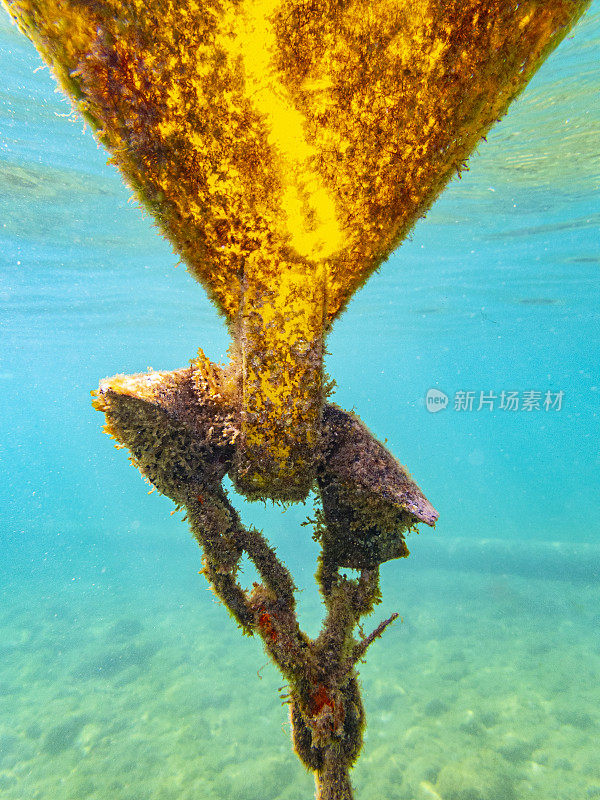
(129, 689)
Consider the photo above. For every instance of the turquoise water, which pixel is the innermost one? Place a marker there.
(120, 675)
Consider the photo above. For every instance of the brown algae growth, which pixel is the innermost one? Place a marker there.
(285, 148)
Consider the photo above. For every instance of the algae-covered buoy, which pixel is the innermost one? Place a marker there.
(285, 149)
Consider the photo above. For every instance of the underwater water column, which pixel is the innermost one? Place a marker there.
(285, 150)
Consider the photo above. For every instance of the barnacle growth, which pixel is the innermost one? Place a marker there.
(181, 430)
(285, 148)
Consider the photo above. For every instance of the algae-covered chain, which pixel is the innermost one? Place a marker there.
(285, 148)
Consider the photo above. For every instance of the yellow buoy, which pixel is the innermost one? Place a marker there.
(285, 148)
